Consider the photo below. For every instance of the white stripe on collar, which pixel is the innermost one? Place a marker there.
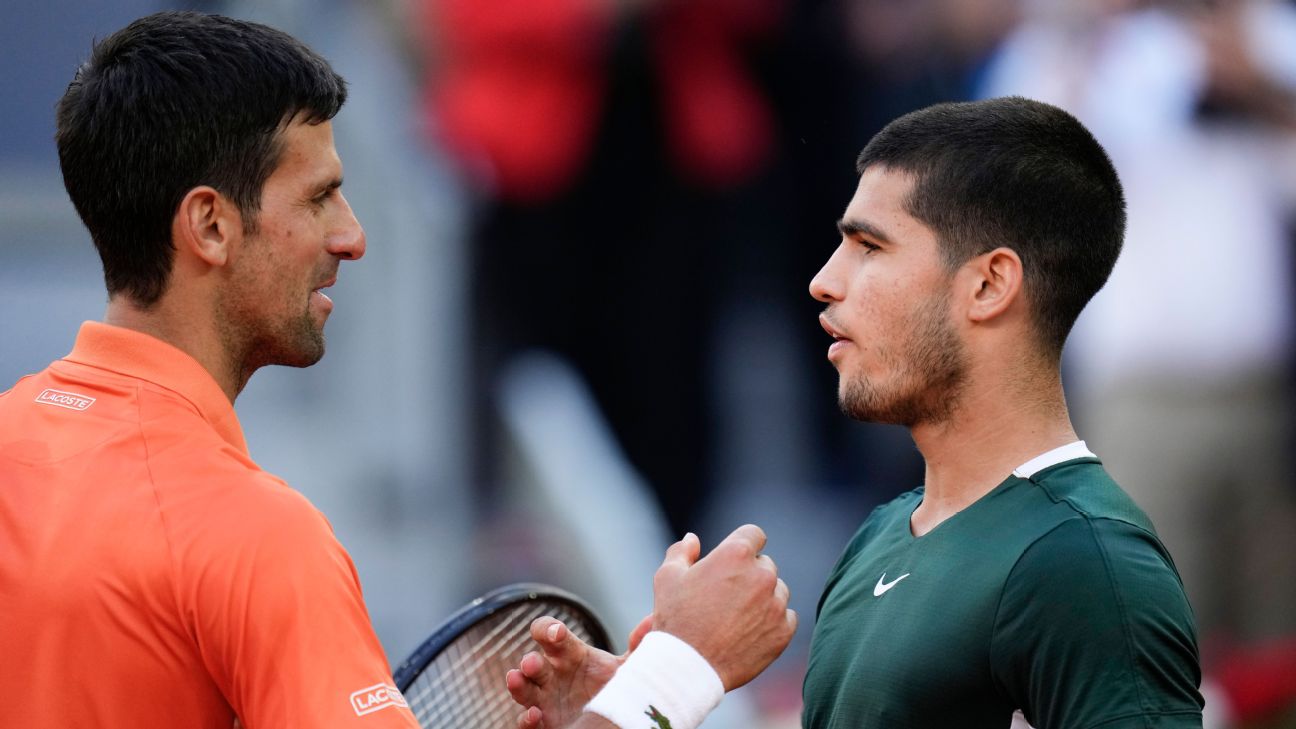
(1067, 452)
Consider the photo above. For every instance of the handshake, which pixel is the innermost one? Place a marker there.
(717, 622)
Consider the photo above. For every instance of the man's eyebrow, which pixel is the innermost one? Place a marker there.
(855, 228)
(328, 185)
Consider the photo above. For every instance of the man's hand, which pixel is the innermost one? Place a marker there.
(560, 682)
(731, 607)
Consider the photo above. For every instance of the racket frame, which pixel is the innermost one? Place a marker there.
(482, 608)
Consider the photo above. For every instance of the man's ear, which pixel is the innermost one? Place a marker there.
(207, 225)
(996, 282)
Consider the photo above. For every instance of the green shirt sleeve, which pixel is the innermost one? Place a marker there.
(1093, 630)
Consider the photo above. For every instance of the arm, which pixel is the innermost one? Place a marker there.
(730, 608)
(1094, 629)
(274, 604)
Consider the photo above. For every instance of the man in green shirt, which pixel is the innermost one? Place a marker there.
(1019, 577)
(1050, 594)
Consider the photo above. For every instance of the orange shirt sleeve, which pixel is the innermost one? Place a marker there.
(276, 609)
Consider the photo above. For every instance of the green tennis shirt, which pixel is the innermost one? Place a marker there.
(1051, 594)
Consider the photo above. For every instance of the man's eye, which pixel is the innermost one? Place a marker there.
(869, 247)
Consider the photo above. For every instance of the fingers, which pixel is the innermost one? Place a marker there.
(730, 606)
(559, 644)
(745, 541)
(521, 690)
(530, 719)
(536, 668)
(525, 682)
(637, 635)
(684, 553)
(548, 632)
(749, 537)
(680, 556)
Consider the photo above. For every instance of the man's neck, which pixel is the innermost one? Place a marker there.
(192, 334)
(993, 430)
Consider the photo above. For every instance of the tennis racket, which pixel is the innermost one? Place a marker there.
(456, 678)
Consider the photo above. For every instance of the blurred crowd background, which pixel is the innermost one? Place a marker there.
(582, 326)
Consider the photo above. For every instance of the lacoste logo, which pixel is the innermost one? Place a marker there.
(69, 400)
(882, 585)
(658, 718)
(376, 698)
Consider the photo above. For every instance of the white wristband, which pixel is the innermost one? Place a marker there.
(664, 679)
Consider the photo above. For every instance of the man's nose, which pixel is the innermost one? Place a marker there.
(349, 242)
(826, 286)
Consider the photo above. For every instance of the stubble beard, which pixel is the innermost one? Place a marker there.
(251, 340)
(294, 343)
(297, 343)
(931, 369)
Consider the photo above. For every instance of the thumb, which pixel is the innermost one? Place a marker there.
(682, 554)
(637, 635)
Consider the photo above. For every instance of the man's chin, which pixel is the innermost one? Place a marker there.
(853, 408)
(303, 350)
(862, 403)
(306, 360)
(311, 355)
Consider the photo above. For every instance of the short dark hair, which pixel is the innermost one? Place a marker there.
(1017, 173)
(170, 102)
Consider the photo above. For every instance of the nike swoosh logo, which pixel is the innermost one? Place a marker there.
(882, 585)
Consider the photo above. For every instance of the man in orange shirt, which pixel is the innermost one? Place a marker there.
(151, 574)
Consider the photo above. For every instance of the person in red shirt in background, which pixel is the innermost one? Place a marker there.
(612, 145)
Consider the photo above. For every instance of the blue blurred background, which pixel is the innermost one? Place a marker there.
(582, 327)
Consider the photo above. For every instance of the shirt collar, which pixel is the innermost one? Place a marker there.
(139, 355)
(1068, 452)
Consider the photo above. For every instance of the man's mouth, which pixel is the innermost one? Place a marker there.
(833, 331)
(840, 340)
(320, 289)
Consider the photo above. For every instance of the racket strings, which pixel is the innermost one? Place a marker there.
(472, 695)
(459, 672)
(463, 686)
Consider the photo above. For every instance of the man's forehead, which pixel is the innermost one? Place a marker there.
(879, 196)
(880, 211)
(307, 149)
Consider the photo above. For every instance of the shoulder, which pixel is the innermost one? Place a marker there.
(1082, 481)
(250, 548)
(1099, 598)
(1086, 487)
(206, 484)
(1114, 559)
(1113, 562)
(234, 512)
(275, 601)
(224, 516)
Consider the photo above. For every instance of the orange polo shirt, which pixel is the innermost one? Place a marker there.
(151, 575)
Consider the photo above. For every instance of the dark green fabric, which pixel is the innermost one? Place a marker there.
(1051, 595)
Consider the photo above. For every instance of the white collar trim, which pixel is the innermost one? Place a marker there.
(1067, 452)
